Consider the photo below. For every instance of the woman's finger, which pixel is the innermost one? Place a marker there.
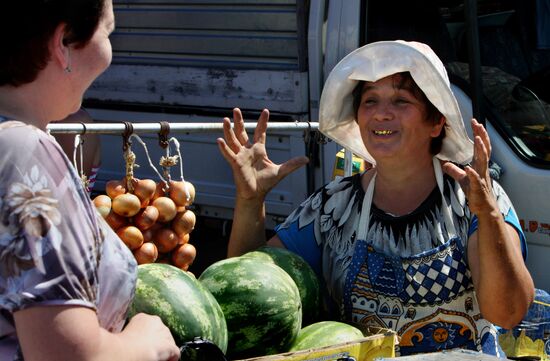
(481, 158)
(291, 165)
(261, 127)
(479, 130)
(229, 136)
(240, 131)
(455, 172)
(227, 153)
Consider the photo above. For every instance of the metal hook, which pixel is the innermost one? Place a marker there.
(163, 134)
(307, 133)
(128, 130)
(84, 130)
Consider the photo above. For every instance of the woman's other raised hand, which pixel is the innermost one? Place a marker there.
(474, 178)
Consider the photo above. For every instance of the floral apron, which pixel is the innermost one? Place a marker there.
(427, 298)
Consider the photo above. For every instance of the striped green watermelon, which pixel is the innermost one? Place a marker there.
(261, 304)
(302, 274)
(187, 308)
(325, 333)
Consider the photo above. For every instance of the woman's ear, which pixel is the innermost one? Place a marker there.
(436, 129)
(60, 52)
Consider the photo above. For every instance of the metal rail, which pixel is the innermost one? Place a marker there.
(143, 128)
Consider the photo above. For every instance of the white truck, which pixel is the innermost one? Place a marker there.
(194, 60)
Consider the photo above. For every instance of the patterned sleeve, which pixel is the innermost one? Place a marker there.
(49, 241)
(298, 234)
(509, 213)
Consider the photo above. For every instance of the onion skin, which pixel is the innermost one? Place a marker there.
(116, 221)
(131, 236)
(114, 188)
(144, 189)
(147, 253)
(165, 239)
(178, 195)
(103, 205)
(127, 205)
(167, 209)
(146, 218)
(184, 222)
(184, 255)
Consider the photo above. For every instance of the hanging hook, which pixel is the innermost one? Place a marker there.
(163, 134)
(78, 149)
(128, 130)
(307, 133)
(166, 161)
(84, 129)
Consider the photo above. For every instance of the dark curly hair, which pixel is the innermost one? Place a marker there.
(26, 26)
(404, 80)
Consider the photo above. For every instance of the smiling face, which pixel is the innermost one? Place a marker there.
(393, 120)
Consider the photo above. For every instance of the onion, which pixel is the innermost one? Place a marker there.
(103, 204)
(184, 222)
(148, 234)
(114, 188)
(178, 195)
(146, 218)
(183, 256)
(147, 253)
(116, 221)
(127, 205)
(167, 209)
(144, 189)
(131, 236)
(165, 239)
(183, 239)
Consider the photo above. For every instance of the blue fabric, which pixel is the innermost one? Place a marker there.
(302, 242)
(536, 322)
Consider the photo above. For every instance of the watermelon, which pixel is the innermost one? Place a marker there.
(187, 308)
(260, 302)
(302, 274)
(325, 333)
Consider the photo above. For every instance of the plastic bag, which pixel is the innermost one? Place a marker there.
(532, 336)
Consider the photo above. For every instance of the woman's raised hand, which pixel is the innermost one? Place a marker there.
(475, 179)
(254, 173)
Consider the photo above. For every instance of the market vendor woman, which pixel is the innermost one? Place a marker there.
(424, 243)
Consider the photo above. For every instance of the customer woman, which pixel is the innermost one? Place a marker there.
(424, 242)
(66, 280)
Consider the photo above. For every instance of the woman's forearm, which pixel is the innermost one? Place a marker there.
(60, 333)
(504, 286)
(248, 229)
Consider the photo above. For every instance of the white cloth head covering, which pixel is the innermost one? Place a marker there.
(376, 61)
